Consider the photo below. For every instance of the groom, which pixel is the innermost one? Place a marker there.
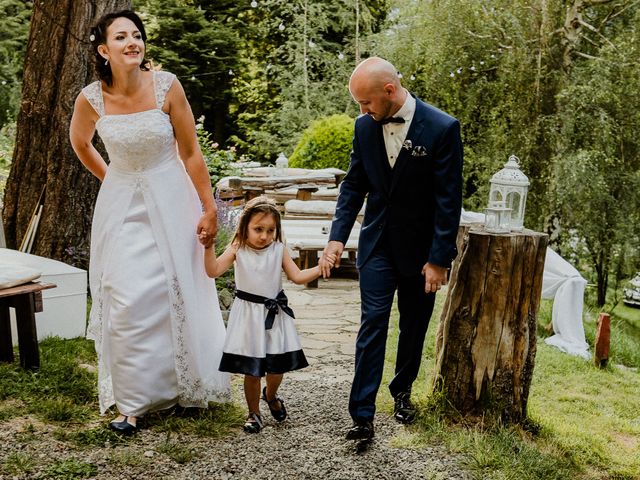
(407, 157)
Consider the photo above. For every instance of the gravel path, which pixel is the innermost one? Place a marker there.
(310, 444)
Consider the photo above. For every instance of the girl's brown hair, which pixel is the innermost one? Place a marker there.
(259, 205)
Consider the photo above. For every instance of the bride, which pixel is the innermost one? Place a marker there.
(155, 316)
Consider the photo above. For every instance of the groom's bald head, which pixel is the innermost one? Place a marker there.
(375, 86)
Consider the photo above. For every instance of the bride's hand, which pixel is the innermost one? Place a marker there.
(207, 228)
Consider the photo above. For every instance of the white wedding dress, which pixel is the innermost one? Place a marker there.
(155, 316)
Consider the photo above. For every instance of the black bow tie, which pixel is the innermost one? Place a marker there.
(384, 121)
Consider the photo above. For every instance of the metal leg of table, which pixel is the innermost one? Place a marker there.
(25, 306)
(6, 345)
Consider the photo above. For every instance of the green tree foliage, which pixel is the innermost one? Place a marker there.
(597, 167)
(201, 51)
(301, 54)
(14, 28)
(325, 143)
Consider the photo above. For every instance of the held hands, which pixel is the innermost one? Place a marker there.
(331, 261)
(434, 277)
(207, 228)
(330, 257)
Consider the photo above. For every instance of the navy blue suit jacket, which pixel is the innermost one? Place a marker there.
(416, 204)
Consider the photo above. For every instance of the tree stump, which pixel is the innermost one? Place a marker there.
(486, 340)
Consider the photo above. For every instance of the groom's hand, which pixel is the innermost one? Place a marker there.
(333, 248)
(435, 277)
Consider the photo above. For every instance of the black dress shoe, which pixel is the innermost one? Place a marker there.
(403, 409)
(361, 429)
(123, 427)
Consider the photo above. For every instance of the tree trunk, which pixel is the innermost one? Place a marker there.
(486, 341)
(572, 32)
(58, 63)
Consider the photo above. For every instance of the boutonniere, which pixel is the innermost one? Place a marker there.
(417, 151)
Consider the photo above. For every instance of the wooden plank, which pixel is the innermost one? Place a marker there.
(314, 234)
(25, 288)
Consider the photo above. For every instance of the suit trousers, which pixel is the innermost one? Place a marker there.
(379, 280)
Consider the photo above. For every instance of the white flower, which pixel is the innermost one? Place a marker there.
(92, 37)
(198, 126)
(215, 145)
(201, 119)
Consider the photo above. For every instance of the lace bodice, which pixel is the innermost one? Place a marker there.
(140, 141)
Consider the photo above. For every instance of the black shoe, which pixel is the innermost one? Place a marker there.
(279, 414)
(403, 409)
(124, 427)
(362, 429)
(253, 423)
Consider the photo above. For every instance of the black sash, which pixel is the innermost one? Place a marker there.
(272, 305)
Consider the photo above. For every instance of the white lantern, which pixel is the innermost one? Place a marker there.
(282, 163)
(510, 186)
(497, 218)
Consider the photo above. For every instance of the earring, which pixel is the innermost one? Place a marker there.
(106, 62)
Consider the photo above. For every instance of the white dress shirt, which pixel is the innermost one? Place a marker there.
(396, 133)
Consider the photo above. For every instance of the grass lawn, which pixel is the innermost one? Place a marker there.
(589, 418)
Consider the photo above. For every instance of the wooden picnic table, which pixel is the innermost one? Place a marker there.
(308, 237)
(27, 301)
(257, 181)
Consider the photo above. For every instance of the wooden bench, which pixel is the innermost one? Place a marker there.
(27, 301)
(308, 237)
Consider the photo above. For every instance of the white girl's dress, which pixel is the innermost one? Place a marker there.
(251, 348)
(155, 316)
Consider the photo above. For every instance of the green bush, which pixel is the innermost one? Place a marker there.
(326, 143)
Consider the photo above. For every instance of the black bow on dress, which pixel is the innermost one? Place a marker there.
(272, 304)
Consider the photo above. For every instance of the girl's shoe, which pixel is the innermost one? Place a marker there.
(253, 423)
(279, 414)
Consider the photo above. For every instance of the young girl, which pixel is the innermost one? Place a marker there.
(261, 336)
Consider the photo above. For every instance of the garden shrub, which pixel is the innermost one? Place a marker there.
(325, 143)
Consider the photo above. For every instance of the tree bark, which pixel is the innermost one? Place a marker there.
(58, 63)
(486, 340)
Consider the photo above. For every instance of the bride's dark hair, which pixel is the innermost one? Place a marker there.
(98, 36)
